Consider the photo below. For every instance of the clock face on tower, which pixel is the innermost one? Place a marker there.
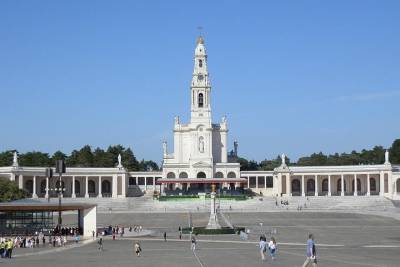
(200, 77)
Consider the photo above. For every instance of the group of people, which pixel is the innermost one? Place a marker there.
(270, 246)
(6, 248)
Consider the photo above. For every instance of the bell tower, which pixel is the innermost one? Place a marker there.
(200, 87)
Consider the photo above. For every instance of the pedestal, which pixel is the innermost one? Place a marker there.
(213, 221)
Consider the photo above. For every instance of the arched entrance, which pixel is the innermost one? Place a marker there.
(296, 187)
(43, 187)
(219, 175)
(91, 187)
(310, 186)
(29, 186)
(105, 187)
(372, 184)
(77, 187)
(325, 186)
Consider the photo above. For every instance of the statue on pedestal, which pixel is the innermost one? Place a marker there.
(15, 159)
(213, 221)
(119, 161)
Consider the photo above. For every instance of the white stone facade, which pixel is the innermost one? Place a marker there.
(200, 147)
(200, 151)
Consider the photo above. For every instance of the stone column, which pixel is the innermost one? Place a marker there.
(99, 195)
(20, 181)
(316, 185)
(123, 186)
(329, 186)
(114, 186)
(248, 181)
(47, 187)
(73, 195)
(342, 185)
(34, 195)
(145, 183)
(86, 187)
(288, 185)
(12, 178)
(303, 193)
(265, 182)
(137, 181)
(368, 185)
(381, 183)
(355, 185)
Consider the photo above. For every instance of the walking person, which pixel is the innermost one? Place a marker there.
(311, 252)
(138, 249)
(100, 242)
(193, 243)
(272, 248)
(263, 247)
(165, 236)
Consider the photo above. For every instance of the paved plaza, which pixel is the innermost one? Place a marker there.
(342, 240)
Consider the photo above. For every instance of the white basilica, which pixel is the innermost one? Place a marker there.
(200, 158)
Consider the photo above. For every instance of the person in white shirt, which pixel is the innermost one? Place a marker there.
(272, 248)
(262, 247)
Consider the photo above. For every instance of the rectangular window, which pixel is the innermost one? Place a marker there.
(269, 182)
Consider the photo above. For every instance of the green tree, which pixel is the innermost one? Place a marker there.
(395, 152)
(34, 159)
(6, 158)
(129, 160)
(9, 191)
(58, 155)
(102, 158)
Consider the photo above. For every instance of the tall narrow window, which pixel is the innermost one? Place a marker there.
(201, 100)
(200, 63)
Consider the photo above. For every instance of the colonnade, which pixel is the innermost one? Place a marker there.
(114, 187)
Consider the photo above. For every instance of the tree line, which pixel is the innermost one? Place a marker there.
(84, 157)
(375, 155)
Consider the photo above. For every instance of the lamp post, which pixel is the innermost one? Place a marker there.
(49, 174)
(60, 169)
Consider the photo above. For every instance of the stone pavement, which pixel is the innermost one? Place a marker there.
(343, 240)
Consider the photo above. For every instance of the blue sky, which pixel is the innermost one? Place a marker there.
(292, 76)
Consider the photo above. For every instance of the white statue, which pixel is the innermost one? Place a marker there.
(119, 161)
(387, 157)
(283, 158)
(201, 144)
(164, 148)
(176, 120)
(15, 159)
(224, 119)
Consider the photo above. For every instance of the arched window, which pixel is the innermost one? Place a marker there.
(106, 187)
(310, 186)
(200, 63)
(171, 175)
(231, 175)
(201, 175)
(219, 175)
(183, 175)
(372, 184)
(201, 100)
(91, 187)
(325, 185)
